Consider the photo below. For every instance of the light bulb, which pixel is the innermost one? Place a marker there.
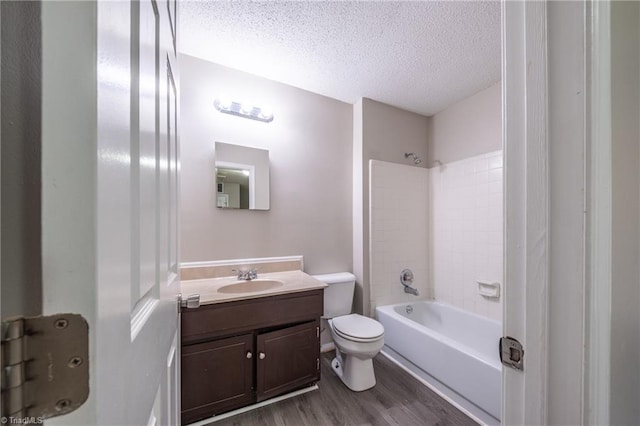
(224, 102)
(266, 112)
(246, 107)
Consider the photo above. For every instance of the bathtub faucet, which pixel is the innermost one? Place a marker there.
(406, 278)
(411, 290)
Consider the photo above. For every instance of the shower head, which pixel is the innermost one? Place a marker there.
(416, 159)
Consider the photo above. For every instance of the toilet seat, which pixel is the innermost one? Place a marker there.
(357, 328)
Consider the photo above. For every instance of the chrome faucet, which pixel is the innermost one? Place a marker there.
(411, 290)
(246, 274)
(406, 278)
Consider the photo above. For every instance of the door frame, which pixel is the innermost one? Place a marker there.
(526, 198)
(557, 149)
(598, 368)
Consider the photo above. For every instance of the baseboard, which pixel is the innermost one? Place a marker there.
(327, 347)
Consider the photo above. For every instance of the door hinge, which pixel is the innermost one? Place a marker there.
(318, 332)
(317, 363)
(511, 353)
(45, 366)
(192, 301)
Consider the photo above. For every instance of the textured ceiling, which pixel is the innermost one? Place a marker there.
(421, 56)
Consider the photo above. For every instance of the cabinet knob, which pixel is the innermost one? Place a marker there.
(262, 355)
(249, 355)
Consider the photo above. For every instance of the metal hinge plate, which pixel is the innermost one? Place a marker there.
(511, 353)
(45, 366)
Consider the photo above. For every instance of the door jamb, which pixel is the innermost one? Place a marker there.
(526, 189)
(599, 177)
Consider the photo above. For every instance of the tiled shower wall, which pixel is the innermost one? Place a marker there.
(466, 232)
(398, 209)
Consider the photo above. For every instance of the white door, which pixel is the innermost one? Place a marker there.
(109, 199)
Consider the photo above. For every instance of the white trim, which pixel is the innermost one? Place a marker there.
(599, 237)
(207, 263)
(526, 168)
(327, 347)
(568, 92)
(513, 133)
(213, 419)
(537, 214)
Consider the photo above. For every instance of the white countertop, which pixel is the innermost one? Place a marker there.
(207, 288)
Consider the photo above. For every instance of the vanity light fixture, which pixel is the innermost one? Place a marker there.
(244, 109)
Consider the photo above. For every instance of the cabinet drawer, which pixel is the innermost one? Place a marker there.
(224, 319)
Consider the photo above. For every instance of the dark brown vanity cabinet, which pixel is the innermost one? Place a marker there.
(287, 359)
(205, 366)
(238, 353)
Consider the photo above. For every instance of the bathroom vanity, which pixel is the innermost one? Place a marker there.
(245, 347)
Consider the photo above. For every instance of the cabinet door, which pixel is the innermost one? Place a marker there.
(217, 376)
(287, 359)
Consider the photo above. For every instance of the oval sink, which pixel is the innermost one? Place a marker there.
(250, 286)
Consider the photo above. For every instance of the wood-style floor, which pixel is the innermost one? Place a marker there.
(397, 399)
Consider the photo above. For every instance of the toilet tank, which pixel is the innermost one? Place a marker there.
(338, 297)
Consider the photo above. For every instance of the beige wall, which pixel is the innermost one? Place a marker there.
(310, 152)
(471, 127)
(625, 279)
(385, 133)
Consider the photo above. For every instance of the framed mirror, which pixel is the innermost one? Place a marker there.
(242, 177)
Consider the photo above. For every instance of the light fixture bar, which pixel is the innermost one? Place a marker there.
(243, 110)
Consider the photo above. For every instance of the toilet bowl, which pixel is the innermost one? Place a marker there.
(357, 338)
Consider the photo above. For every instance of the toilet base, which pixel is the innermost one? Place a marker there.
(356, 373)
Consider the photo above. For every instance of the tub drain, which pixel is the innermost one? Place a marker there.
(409, 309)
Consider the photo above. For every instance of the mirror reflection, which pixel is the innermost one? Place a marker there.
(242, 177)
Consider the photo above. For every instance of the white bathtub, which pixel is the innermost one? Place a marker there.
(458, 348)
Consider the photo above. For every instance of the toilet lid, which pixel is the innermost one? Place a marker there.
(358, 327)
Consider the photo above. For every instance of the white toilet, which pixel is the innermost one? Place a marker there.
(357, 338)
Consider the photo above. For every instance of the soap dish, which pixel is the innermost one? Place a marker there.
(488, 289)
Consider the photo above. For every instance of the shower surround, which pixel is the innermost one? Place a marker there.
(443, 223)
(465, 228)
(398, 210)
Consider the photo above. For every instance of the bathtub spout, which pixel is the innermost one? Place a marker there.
(411, 290)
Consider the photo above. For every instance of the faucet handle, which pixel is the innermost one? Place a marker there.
(246, 274)
(252, 273)
(406, 277)
(241, 273)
